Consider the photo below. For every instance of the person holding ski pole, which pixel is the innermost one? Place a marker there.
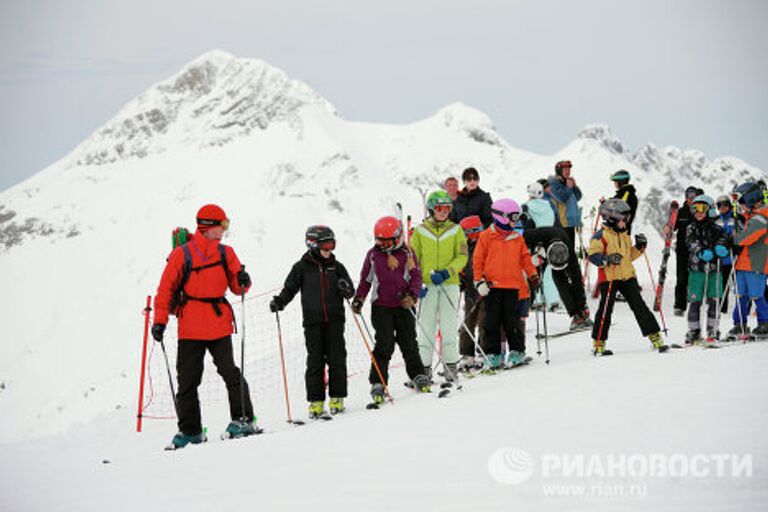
(324, 284)
(684, 218)
(538, 213)
(611, 250)
(440, 248)
(752, 263)
(391, 274)
(192, 287)
(706, 242)
(501, 264)
(727, 222)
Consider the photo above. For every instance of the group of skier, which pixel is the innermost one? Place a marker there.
(501, 255)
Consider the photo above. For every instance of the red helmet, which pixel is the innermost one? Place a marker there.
(472, 226)
(388, 232)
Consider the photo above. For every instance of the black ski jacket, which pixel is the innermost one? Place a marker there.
(700, 236)
(628, 195)
(318, 279)
(475, 202)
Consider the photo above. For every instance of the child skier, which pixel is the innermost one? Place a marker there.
(706, 242)
(441, 250)
(727, 221)
(752, 263)
(500, 265)
(390, 272)
(612, 252)
(474, 308)
(539, 214)
(324, 283)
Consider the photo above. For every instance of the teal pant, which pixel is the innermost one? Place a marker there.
(436, 311)
(696, 282)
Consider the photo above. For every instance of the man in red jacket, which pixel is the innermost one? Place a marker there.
(192, 287)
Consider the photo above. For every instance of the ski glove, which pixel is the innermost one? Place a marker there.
(243, 279)
(423, 292)
(535, 280)
(721, 251)
(641, 242)
(614, 259)
(438, 276)
(157, 331)
(276, 304)
(483, 288)
(357, 305)
(706, 255)
(345, 287)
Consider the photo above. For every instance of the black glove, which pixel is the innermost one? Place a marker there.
(357, 305)
(243, 279)
(614, 259)
(276, 304)
(641, 242)
(535, 280)
(157, 331)
(345, 287)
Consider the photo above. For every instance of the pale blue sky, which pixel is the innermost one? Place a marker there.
(689, 73)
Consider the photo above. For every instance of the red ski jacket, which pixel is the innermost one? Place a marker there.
(205, 315)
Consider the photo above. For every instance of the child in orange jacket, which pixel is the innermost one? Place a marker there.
(500, 265)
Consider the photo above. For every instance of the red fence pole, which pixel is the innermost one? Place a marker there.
(143, 363)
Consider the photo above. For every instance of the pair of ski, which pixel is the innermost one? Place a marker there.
(541, 336)
(445, 390)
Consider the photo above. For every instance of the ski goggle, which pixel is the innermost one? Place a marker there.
(513, 217)
(213, 223)
(699, 207)
(442, 208)
(723, 204)
(690, 194)
(328, 245)
(386, 243)
(472, 231)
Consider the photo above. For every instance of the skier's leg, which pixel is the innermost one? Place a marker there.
(384, 325)
(189, 374)
(645, 319)
(449, 322)
(466, 345)
(428, 321)
(493, 318)
(604, 311)
(314, 376)
(336, 357)
(405, 337)
(223, 358)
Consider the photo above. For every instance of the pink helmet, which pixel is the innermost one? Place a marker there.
(505, 211)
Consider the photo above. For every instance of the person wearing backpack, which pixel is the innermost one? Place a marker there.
(324, 284)
(192, 287)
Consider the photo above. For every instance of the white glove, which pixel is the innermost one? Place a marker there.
(483, 288)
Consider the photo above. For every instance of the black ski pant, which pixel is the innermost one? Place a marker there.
(681, 286)
(631, 291)
(325, 346)
(189, 374)
(501, 312)
(570, 286)
(394, 326)
(474, 316)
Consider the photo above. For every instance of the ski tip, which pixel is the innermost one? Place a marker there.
(444, 393)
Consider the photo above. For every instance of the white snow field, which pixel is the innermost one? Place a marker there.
(83, 243)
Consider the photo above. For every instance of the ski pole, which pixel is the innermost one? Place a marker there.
(650, 274)
(285, 379)
(742, 323)
(544, 315)
(586, 260)
(538, 340)
(370, 352)
(439, 355)
(170, 379)
(718, 286)
(463, 324)
(242, 359)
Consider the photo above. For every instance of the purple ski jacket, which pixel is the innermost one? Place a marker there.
(388, 287)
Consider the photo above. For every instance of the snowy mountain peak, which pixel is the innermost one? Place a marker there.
(603, 135)
(213, 100)
(470, 121)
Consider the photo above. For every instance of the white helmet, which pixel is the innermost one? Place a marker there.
(535, 190)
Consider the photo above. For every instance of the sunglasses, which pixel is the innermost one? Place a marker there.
(513, 217)
(700, 208)
(471, 178)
